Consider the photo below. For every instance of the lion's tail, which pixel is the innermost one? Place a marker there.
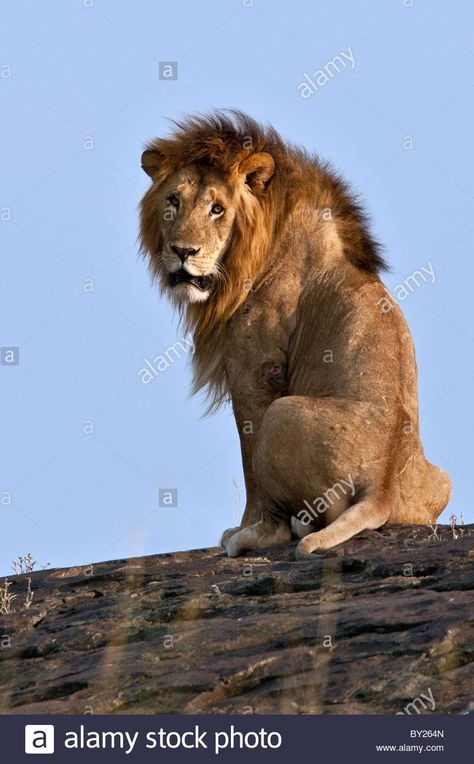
(366, 514)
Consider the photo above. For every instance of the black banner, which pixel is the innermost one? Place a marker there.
(217, 738)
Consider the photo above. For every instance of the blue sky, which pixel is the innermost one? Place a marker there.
(85, 445)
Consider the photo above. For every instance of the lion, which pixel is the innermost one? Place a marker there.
(271, 263)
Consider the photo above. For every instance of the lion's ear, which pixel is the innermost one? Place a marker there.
(257, 169)
(152, 162)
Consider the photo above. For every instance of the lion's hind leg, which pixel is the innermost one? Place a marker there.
(366, 514)
(267, 532)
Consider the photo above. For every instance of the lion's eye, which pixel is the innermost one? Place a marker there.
(217, 209)
(173, 200)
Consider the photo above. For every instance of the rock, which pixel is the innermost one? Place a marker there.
(364, 628)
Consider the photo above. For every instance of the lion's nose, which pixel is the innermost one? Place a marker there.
(184, 252)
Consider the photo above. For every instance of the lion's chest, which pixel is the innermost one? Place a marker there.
(256, 351)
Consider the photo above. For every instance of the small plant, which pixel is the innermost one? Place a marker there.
(237, 491)
(25, 564)
(28, 596)
(6, 598)
(457, 530)
(434, 534)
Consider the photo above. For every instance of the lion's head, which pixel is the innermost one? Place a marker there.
(204, 225)
(189, 219)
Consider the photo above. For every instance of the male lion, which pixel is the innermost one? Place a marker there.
(271, 262)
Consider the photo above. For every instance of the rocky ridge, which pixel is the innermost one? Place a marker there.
(379, 625)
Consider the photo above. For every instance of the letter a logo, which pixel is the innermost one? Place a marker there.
(39, 738)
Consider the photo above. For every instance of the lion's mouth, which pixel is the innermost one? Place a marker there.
(183, 277)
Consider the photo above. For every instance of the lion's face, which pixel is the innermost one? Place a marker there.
(188, 220)
(197, 213)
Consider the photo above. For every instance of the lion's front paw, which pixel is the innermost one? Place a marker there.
(227, 535)
(233, 545)
(306, 548)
